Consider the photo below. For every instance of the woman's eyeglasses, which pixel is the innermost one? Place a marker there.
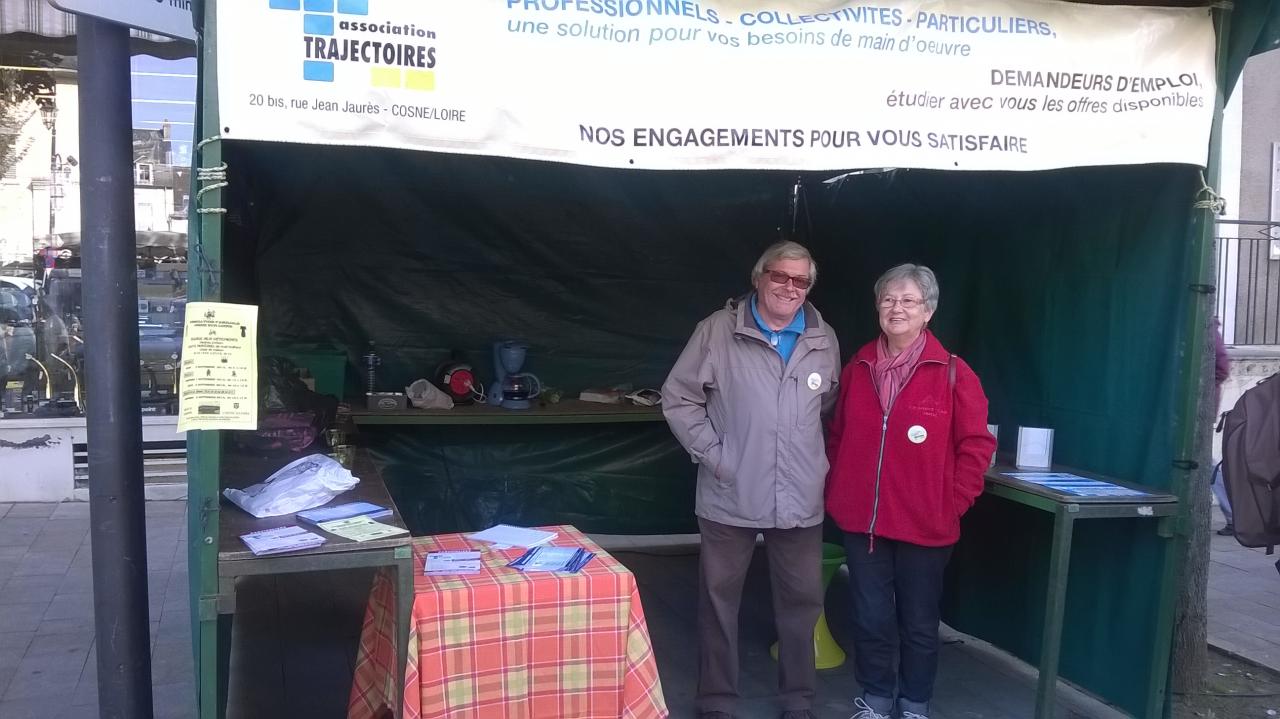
(908, 303)
(778, 277)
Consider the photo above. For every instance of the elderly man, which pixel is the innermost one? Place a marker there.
(746, 399)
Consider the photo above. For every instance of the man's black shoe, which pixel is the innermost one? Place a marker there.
(1227, 531)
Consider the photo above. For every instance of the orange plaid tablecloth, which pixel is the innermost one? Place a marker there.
(503, 644)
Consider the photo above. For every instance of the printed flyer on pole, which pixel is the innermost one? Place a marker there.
(219, 387)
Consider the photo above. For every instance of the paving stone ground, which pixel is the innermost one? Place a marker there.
(48, 667)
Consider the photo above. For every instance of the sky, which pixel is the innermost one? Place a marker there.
(166, 90)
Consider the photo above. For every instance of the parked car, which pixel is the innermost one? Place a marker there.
(16, 342)
(16, 305)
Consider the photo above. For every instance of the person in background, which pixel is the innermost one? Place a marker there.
(746, 399)
(1221, 370)
(908, 447)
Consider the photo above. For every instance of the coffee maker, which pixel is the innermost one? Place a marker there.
(512, 389)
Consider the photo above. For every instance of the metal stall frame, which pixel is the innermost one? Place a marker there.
(210, 631)
(210, 636)
(1199, 279)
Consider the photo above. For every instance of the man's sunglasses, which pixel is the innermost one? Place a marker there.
(778, 277)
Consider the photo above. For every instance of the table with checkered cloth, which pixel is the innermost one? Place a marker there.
(503, 644)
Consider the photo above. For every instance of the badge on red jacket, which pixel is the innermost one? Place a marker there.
(917, 434)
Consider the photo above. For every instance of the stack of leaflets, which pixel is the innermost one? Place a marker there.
(281, 539)
(343, 511)
(440, 563)
(505, 535)
(1068, 483)
(553, 559)
(360, 528)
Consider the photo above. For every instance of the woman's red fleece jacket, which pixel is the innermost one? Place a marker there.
(889, 478)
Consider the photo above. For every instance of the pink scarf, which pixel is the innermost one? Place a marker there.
(891, 373)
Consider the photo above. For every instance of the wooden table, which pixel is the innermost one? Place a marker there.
(569, 411)
(235, 560)
(1066, 508)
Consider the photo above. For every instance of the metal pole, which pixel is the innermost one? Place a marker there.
(41, 308)
(1186, 405)
(53, 177)
(116, 509)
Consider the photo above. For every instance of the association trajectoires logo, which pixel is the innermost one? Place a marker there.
(340, 32)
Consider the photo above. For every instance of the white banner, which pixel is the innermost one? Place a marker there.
(700, 84)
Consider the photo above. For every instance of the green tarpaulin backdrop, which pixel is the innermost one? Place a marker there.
(1055, 287)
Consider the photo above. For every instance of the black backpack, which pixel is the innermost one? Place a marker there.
(1251, 464)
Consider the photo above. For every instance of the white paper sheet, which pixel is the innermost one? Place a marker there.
(507, 535)
(281, 539)
(439, 563)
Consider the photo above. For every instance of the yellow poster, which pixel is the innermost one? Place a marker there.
(219, 367)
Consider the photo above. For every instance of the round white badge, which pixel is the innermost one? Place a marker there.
(917, 434)
(815, 381)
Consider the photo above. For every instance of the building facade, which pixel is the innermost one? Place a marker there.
(42, 338)
(1248, 253)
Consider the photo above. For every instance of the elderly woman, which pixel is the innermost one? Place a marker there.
(908, 446)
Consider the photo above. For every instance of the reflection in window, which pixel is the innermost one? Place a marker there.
(41, 299)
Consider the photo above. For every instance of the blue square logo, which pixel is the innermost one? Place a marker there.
(317, 24)
(353, 7)
(317, 71)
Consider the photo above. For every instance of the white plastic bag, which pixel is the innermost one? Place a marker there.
(424, 395)
(304, 483)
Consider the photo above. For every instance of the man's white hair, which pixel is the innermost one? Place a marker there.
(785, 250)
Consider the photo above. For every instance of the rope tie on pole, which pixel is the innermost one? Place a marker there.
(200, 145)
(216, 179)
(1208, 199)
(210, 179)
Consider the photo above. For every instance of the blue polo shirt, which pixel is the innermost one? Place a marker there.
(784, 340)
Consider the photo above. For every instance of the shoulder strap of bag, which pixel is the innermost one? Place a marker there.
(951, 388)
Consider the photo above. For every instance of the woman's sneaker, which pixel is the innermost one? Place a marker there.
(908, 709)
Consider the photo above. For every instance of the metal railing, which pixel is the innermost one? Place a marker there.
(1248, 281)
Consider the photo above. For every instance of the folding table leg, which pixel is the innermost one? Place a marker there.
(225, 624)
(1055, 605)
(404, 612)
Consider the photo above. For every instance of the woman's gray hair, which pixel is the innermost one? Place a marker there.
(785, 250)
(919, 274)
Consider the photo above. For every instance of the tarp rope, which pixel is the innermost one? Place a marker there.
(1208, 199)
(210, 179)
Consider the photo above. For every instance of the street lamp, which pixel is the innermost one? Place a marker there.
(48, 111)
(49, 118)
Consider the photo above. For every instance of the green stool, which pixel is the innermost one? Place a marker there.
(827, 654)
